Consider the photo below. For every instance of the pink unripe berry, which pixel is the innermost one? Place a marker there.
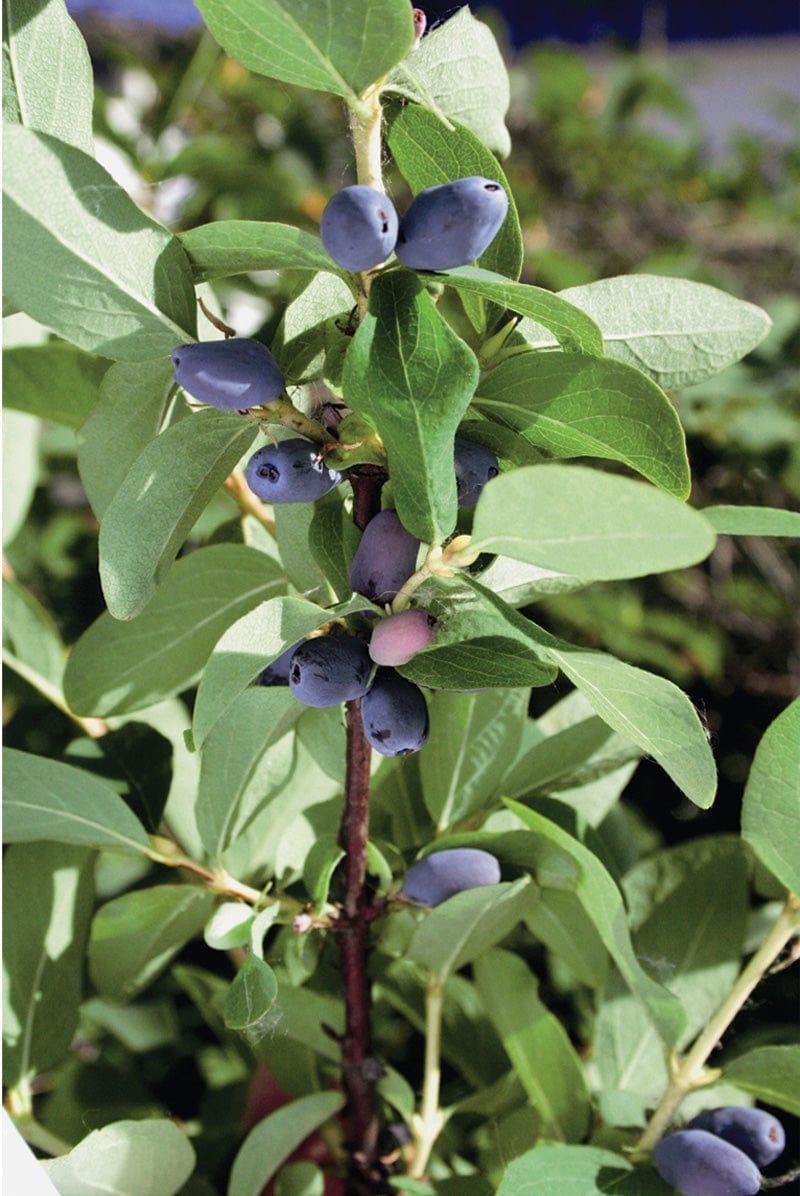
(399, 637)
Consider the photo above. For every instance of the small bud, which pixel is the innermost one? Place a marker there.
(301, 923)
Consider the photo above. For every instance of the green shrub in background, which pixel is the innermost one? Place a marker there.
(516, 1034)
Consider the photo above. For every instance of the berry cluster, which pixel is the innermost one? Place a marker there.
(720, 1152)
(445, 226)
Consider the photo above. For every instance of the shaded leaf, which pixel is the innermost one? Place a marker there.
(413, 378)
(134, 937)
(28, 374)
(137, 761)
(275, 1137)
(20, 469)
(251, 995)
(48, 892)
(574, 405)
(116, 667)
(770, 1073)
(339, 48)
(43, 799)
(771, 807)
(458, 71)
(83, 259)
(168, 486)
(555, 1170)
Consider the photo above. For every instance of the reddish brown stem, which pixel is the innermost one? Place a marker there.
(360, 1068)
(367, 482)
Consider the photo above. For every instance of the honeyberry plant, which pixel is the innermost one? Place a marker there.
(447, 971)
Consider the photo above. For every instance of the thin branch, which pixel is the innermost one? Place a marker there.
(427, 1124)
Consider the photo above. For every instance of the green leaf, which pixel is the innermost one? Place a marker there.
(698, 957)
(480, 642)
(413, 378)
(561, 862)
(250, 644)
(321, 731)
(340, 48)
(229, 926)
(560, 921)
(458, 71)
(135, 936)
(50, 85)
(168, 486)
(275, 1137)
(466, 925)
(239, 774)
(127, 1158)
(588, 523)
(228, 247)
(293, 522)
(571, 327)
(83, 259)
(427, 153)
(470, 734)
(572, 757)
(332, 540)
(20, 469)
(537, 1045)
(31, 636)
(556, 1170)
(753, 521)
(251, 996)
(28, 373)
(647, 709)
(574, 405)
(118, 667)
(320, 865)
(675, 330)
(308, 327)
(48, 892)
(137, 761)
(771, 1073)
(43, 799)
(135, 404)
(771, 807)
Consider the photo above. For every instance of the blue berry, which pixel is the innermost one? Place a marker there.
(760, 1135)
(232, 375)
(395, 715)
(443, 873)
(359, 227)
(475, 465)
(701, 1164)
(385, 558)
(330, 669)
(398, 638)
(290, 471)
(277, 673)
(451, 224)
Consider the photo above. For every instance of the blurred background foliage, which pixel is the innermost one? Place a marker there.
(611, 174)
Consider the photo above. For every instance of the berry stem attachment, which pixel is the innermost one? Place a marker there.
(427, 1124)
(365, 129)
(688, 1073)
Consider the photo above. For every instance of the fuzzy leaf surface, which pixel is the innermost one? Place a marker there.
(151, 1157)
(458, 72)
(55, 100)
(81, 257)
(577, 520)
(227, 247)
(338, 47)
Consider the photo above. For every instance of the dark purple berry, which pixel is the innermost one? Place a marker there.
(277, 673)
(359, 227)
(330, 669)
(232, 375)
(398, 638)
(385, 558)
(395, 715)
(451, 224)
(760, 1135)
(290, 471)
(701, 1164)
(475, 465)
(443, 873)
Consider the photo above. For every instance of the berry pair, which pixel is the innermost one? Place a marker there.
(720, 1152)
(445, 226)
